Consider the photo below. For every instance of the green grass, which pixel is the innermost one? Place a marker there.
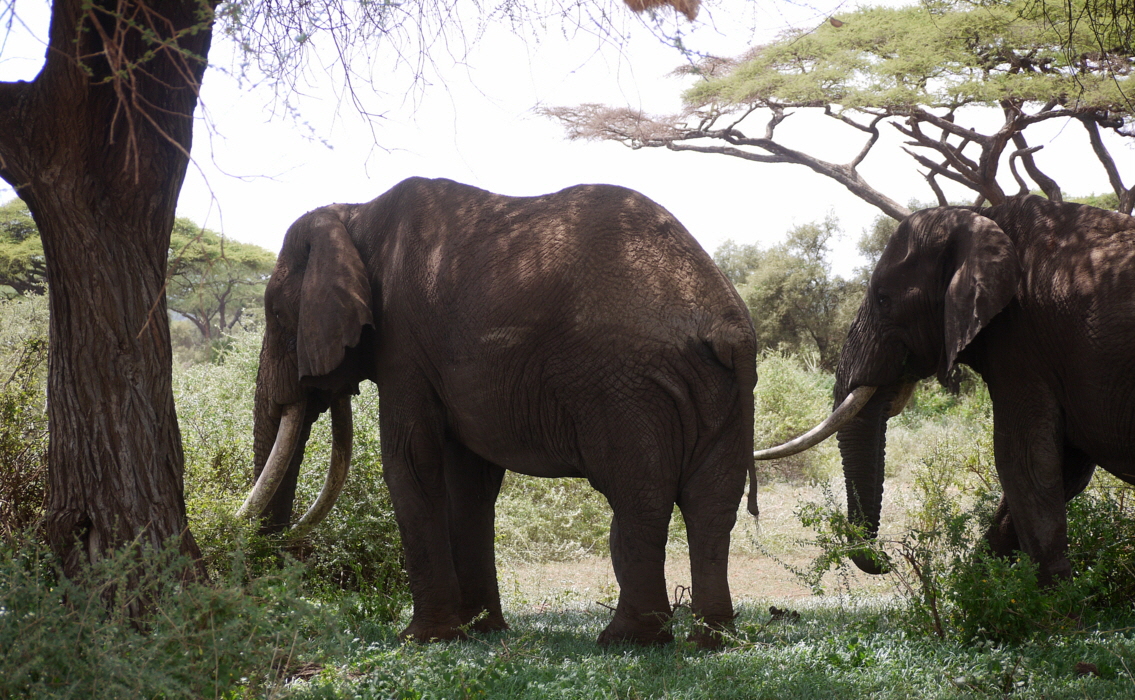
(837, 648)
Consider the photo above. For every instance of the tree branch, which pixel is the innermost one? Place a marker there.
(1046, 184)
(1125, 195)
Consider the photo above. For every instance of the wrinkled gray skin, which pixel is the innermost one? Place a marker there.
(578, 334)
(1039, 299)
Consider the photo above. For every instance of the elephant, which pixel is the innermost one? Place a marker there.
(579, 334)
(1038, 298)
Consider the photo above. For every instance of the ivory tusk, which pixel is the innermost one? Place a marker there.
(843, 413)
(342, 437)
(901, 399)
(278, 460)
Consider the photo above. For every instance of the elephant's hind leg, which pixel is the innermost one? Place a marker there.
(709, 501)
(638, 555)
(472, 485)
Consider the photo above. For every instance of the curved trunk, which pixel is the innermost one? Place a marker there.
(862, 445)
(342, 437)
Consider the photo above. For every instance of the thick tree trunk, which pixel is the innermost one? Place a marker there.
(97, 145)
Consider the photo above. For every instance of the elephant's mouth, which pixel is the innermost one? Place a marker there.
(287, 438)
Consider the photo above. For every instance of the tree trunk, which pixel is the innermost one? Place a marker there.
(97, 145)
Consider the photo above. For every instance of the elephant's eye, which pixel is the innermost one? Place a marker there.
(883, 300)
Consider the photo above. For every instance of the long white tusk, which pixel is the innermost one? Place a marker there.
(342, 437)
(278, 460)
(843, 413)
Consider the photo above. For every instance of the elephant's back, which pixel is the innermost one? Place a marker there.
(587, 259)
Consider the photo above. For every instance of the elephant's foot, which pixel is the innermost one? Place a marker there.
(425, 632)
(647, 630)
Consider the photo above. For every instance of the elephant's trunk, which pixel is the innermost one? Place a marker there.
(342, 438)
(842, 413)
(287, 437)
(862, 445)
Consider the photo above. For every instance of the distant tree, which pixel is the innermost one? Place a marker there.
(211, 280)
(214, 280)
(796, 302)
(23, 268)
(917, 68)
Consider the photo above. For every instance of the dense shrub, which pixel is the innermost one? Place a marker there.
(791, 397)
(59, 639)
(23, 415)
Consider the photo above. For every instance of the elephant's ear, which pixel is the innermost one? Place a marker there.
(984, 281)
(335, 298)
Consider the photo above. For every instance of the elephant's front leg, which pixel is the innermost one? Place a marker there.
(638, 555)
(1030, 460)
(472, 486)
(412, 455)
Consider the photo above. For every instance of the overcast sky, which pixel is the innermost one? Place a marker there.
(471, 118)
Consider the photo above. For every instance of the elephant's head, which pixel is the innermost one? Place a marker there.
(942, 277)
(318, 320)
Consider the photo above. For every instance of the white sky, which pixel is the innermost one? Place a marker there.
(474, 121)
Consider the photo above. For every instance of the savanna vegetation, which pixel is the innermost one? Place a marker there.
(318, 617)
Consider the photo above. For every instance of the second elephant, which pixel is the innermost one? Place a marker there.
(1038, 297)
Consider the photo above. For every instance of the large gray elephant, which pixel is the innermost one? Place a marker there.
(1038, 298)
(578, 334)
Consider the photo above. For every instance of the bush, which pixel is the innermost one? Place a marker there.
(940, 564)
(23, 416)
(60, 639)
(551, 519)
(791, 397)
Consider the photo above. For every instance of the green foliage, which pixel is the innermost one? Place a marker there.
(1101, 539)
(797, 305)
(952, 586)
(23, 415)
(356, 549)
(215, 281)
(940, 54)
(23, 268)
(550, 520)
(62, 639)
(792, 396)
(830, 648)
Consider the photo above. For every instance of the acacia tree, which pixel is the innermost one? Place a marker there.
(917, 69)
(97, 145)
(213, 280)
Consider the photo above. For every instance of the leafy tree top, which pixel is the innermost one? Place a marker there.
(915, 68)
(940, 55)
(214, 280)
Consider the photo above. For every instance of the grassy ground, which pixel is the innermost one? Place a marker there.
(855, 642)
(837, 647)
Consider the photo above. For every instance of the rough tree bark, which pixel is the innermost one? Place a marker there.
(98, 145)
